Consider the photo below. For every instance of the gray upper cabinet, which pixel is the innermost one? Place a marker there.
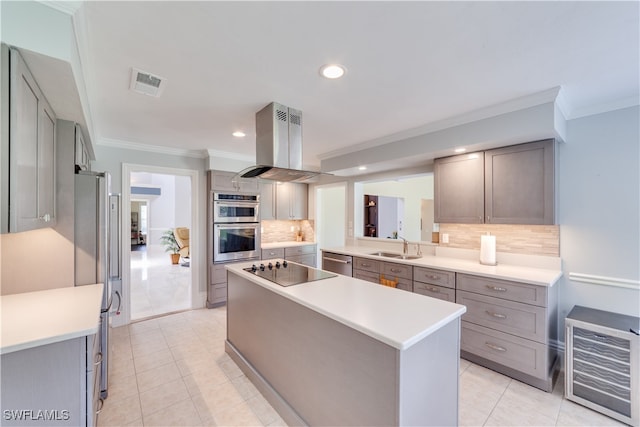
(81, 153)
(231, 181)
(519, 184)
(510, 185)
(459, 189)
(268, 200)
(290, 201)
(283, 200)
(32, 152)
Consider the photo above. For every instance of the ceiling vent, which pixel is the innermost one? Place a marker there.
(147, 83)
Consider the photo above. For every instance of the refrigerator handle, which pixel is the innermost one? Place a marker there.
(115, 249)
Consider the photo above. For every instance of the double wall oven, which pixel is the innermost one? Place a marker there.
(236, 227)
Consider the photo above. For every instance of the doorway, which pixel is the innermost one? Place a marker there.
(163, 199)
(160, 226)
(331, 214)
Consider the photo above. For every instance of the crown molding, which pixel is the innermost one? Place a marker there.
(68, 7)
(619, 104)
(516, 104)
(127, 145)
(212, 152)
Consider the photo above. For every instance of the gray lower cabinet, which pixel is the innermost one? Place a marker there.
(509, 327)
(366, 269)
(401, 273)
(305, 254)
(54, 384)
(435, 283)
(217, 292)
(272, 253)
(373, 271)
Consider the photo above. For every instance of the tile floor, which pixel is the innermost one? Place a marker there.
(157, 286)
(173, 371)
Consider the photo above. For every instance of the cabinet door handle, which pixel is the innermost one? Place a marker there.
(395, 270)
(496, 288)
(496, 315)
(434, 290)
(495, 347)
(364, 264)
(100, 405)
(432, 277)
(98, 359)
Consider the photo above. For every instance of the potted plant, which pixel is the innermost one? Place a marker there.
(168, 240)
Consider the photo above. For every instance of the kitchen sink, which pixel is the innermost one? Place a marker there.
(396, 255)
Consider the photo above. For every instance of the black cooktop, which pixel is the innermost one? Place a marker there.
(287, 273)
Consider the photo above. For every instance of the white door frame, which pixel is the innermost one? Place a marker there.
(196, 258)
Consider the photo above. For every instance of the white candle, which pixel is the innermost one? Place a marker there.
(488, 250)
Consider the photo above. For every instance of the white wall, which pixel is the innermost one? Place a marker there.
(331, 216)
(599, 210)
(182, 201)
(111, 159)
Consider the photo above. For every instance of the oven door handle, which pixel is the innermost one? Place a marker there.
(238, 225)
(236, 203)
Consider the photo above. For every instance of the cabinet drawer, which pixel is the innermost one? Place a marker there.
(523, 355)
(272, 253)
(523, 320)
(392, 270)
(440, 292)
(435, 277)
(366, 264)
(405, 285)
(218, 274)
(308, 259)
(299, 250)
(218, 293)
(366, 275)
(514, 291)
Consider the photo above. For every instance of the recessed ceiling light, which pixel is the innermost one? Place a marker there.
(239, 134)
(362, 168)
(332, 71)
(460, 150)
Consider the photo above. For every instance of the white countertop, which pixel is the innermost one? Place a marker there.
(284, 245)
(33, 319)
(534, 276)
(393, 316)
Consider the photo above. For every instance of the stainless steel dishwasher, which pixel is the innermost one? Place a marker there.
(337, 263)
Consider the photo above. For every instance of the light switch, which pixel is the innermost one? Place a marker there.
(445, 238)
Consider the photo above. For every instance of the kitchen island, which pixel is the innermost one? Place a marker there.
(342, 351)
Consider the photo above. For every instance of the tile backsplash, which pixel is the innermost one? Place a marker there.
(518, 239)
(286, 231)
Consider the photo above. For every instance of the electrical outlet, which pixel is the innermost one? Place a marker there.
(445, 238)
(293, 228)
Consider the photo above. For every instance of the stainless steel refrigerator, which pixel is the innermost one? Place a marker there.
(97, 249)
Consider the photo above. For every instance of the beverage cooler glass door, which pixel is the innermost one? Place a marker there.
(234, 242)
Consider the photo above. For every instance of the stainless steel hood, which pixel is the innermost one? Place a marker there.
(278, 145)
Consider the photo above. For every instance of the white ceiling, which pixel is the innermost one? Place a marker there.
(409, 64)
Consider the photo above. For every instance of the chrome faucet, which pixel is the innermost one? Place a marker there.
(405, 245)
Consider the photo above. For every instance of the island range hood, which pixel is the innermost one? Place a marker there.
(278, 145)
